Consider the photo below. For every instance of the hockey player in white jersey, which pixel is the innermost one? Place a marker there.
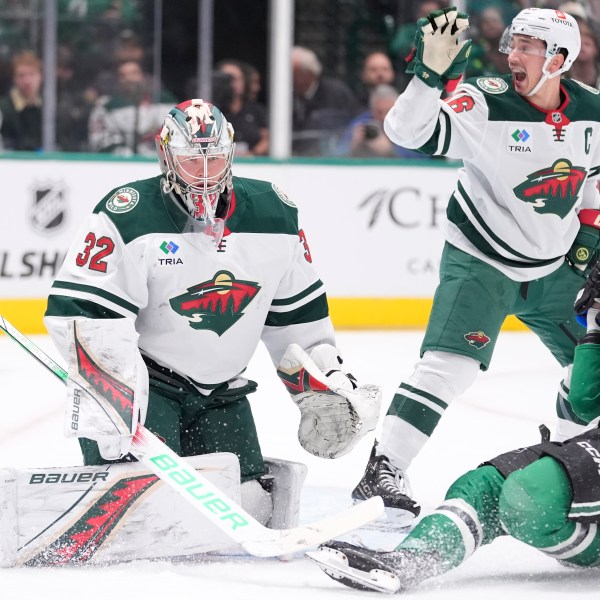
(164, 296)
(522, 224)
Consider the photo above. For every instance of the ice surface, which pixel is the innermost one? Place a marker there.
(500, 412)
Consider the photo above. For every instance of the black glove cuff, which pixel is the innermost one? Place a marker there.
(593, 337)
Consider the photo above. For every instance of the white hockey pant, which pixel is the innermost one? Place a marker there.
(437, 379)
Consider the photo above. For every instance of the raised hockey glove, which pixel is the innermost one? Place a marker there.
(587, 296)
(438, 58)
(335, 412)
(584, 252)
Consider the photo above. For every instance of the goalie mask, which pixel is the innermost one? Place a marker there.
(558, 30)
(195, 150)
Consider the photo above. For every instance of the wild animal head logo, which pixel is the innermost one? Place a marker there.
(478, 339)
(552, 190)
(215, 304)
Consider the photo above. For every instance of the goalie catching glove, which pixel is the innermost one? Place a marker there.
(335, 412)
(438, 58)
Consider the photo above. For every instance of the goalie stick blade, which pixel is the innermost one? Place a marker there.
(335, 564)
(288, 541)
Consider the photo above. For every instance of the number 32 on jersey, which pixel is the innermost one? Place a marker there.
(95, 251)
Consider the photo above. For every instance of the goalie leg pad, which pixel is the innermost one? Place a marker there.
(107, 387)
(105, 514)
(257, 501)
(288, 479)
(274, 500)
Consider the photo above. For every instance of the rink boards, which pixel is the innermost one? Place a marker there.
(374, 228)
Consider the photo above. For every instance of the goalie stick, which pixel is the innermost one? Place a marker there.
(222, 511)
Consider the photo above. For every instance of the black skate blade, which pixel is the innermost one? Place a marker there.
(335, 564)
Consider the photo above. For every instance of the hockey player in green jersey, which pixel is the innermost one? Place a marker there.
(547, 495)
(522, 223)
(165, 294)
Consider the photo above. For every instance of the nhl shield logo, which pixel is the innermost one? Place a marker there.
(477, 339)
(49, 207)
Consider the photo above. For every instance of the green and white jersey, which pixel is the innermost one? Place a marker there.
(199, 309)
(527, 172)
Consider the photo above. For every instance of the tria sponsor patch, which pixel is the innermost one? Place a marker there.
(519, 140)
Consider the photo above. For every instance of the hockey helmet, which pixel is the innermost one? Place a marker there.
(195, 150)
(557, 29)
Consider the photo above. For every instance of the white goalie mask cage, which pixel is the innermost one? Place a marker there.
(558, 30)
(195, 150)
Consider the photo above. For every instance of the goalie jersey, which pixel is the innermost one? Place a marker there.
(527, 172)
(199, 309)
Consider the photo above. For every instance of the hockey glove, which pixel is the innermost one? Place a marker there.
(585, 249)
(335, 413)
(438, 58)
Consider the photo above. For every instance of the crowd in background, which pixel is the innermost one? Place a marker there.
(109, 102)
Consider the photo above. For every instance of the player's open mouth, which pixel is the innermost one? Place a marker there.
(519, 76)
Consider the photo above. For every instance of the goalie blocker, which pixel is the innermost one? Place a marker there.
(121, 512)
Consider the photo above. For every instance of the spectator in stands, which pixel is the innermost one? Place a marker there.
(323, 106)
(587, 66)
(74, 102)
(21, 108)
(249, 119)
(127, 122)
(377, 69)
(486, 59)
(365, 137)
(125, 47)
(253, 82)
(507, 8)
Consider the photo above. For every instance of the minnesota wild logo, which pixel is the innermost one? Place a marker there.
(215, 304)
(478, 339)
(552, 190)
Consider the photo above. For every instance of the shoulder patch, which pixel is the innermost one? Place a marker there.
(492, 85)
(283, 197)
(123, 200)
(585, 86)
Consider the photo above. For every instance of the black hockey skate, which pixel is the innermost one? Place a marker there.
(381, 478)
(368, 570)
